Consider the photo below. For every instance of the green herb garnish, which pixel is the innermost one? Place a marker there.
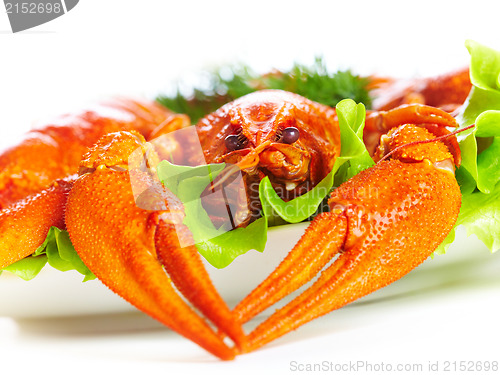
(229, 83)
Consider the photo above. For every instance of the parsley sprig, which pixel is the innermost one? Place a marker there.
(231, 82)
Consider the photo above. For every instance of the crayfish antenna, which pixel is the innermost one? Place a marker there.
(377, 124)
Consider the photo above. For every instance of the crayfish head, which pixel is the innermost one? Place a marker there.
(275, 134)
(266, 139)
(260, 117)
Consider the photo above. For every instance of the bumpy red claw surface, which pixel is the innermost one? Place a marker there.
(36, 174)
(129, 248)
(377, 231)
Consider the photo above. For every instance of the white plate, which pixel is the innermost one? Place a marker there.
(53, 293)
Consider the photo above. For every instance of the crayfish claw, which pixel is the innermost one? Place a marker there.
(379, 123)
(133, 250)
(116, 240)
(185, 268)
(322, 240)
(24, 225)
(388, 209)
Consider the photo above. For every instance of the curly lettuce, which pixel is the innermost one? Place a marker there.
(58, 251)
(219, 246)
(353, 158)
(479, 174)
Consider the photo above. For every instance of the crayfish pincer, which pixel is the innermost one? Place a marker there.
(137, 252)
(377, 238)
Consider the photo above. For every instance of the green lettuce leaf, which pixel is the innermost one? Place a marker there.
(58, 251)
(222, 250)
(481, 108)
(295, 210)
(353, 150)
(27, 268)
(480, 214)
(218, 246)
(479, 175)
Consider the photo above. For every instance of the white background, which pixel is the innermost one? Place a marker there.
(118, 47)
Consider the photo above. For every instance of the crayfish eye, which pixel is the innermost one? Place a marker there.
(290, 135)
(232, 142)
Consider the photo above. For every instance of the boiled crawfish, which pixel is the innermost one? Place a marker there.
(294, 141)
(133, 269)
